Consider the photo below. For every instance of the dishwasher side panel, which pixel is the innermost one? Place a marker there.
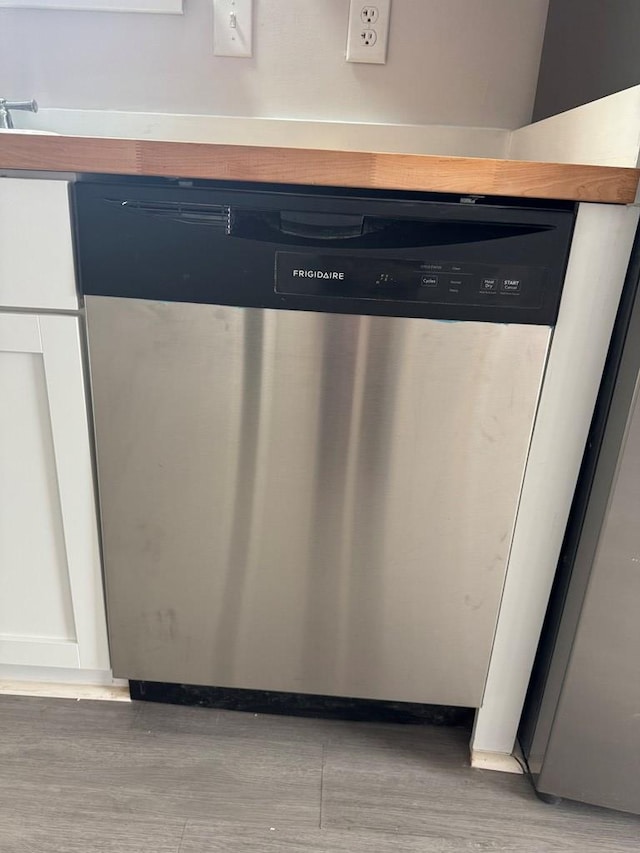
(308, 502)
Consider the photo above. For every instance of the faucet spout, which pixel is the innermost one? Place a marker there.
(6, 120)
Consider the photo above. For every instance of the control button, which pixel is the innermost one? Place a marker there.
(429, 280)
(488, 285)
(510, 285)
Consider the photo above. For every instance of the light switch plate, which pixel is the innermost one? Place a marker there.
(233, 27)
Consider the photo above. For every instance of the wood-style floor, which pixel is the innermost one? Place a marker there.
(112, 777)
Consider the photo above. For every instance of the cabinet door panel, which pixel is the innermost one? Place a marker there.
(35, 599)
(51, 610)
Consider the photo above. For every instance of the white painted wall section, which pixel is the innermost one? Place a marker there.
(287, 133)
(605, 132)
(449, 62)
(600, 251)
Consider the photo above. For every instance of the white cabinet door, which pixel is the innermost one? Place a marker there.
(36, 249)
(51, 601)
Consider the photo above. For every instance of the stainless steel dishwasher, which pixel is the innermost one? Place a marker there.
(313, 410)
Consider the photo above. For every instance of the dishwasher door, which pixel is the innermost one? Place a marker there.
(304, 501)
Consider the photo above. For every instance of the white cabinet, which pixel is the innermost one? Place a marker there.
(36, 254)
(51, 603)
(51, 599)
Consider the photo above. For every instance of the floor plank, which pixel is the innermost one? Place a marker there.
(157, 718)
(415, 793)
(242, 725)
(36, 714)
(224, 838)
(72, 828)
(79, 777)
(180, 775)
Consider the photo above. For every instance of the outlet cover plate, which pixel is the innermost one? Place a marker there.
(368, 31)
(233, 27)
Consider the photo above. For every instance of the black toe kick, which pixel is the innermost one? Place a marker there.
(301, 705)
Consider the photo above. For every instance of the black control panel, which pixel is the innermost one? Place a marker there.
(438, 282)
(313, 249)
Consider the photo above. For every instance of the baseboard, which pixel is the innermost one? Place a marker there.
(503, 762)
(52, 690)
(61, 683)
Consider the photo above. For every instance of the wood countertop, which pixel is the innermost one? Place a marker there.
(466, 175)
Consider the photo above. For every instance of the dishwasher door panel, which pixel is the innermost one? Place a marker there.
(308, 502)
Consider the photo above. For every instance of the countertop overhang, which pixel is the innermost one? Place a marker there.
(366, 170)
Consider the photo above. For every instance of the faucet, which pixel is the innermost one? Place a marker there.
(6, 121)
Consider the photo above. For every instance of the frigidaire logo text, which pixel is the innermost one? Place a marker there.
(317, 274)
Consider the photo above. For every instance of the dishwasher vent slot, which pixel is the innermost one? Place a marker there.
(191, 213)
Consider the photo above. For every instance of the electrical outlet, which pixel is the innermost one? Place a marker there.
(369, 15)
(232, 27)
(368, 31)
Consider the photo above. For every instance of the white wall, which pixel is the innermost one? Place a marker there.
(458, 62)
(605, 132)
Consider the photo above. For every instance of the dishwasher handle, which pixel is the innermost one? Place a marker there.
(310, 228)
(321, 226)
(278, 226)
